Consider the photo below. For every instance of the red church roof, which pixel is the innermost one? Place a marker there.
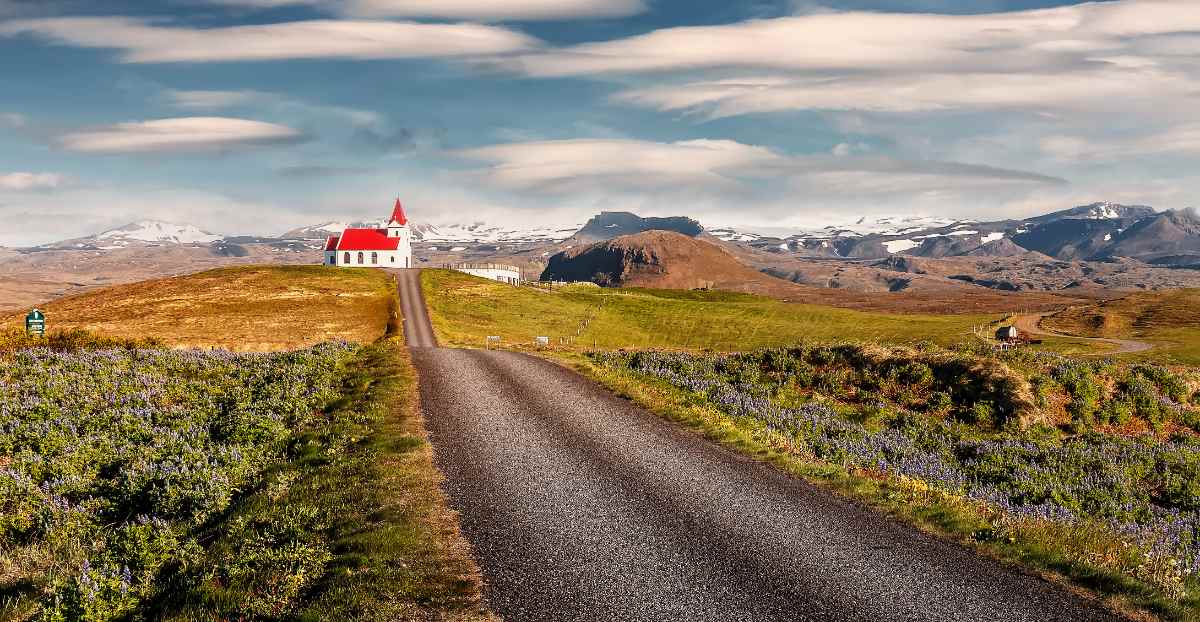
(398, 214)
(367, 240)
(332, 243)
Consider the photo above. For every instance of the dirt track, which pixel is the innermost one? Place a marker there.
(581, 506)
(1032, 324)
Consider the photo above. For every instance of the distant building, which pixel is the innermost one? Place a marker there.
(390, 247)
(494, 271)
(1008, 333)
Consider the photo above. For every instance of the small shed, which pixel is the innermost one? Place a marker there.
(1007, 333)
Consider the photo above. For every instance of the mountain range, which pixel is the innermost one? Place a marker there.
(1096, 247)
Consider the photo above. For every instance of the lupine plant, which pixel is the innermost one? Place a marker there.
(954, 424)
(112, 461)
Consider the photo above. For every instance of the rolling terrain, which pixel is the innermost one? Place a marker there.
(259, 308)
(1167, 320)
(582, 506)
(579, 318)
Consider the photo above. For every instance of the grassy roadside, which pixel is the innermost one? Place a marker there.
(353, 527)
(1053, 552)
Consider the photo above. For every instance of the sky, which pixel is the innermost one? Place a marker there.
(257, 116)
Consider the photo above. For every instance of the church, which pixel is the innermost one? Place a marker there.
(390, 247)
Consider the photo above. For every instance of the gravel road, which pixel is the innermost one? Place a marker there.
(418, 332)
(581, 506)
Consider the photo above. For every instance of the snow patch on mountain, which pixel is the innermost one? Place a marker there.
(899, 246)
(156, 231)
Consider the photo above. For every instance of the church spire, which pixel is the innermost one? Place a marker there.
(398, 216)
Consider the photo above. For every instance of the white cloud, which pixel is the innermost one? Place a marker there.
(1093, 56)
(1010, 41)
(1179, 140)
(181, 134)
(565, 165)
(24, 182)
(473, 10)
(620, 166)
(212, 100)
(491, 10)
(144, 41)
(1096, 89)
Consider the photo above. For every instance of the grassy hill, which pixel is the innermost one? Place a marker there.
(465, 310)
(1169, 319)
(249, 309)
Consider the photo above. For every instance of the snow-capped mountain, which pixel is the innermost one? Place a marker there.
(158, 231)
(140, 233)
(474, 233)
(483, 233)
(316, 232)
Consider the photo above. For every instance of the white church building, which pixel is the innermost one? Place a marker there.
(390, 247)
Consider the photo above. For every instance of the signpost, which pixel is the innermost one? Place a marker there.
(542, 342)
(35, 323)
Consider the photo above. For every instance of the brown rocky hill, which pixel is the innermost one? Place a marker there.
(656, 259)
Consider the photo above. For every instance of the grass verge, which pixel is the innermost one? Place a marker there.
(353, 527)
(465, 310)
(1051, 551)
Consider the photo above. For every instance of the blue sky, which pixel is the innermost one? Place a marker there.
(261, 115)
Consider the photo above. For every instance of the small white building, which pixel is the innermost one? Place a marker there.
(494, 271)
(390, 247)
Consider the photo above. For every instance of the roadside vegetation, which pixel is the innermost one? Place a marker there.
(1169, 319)
(465, 310)
(1086, 469)
(245, 309)
(144, 483)
(1090, 470)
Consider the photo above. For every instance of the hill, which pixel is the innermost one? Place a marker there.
(1169, 319)
(243, 309)
(654, 259)
(1169, 238)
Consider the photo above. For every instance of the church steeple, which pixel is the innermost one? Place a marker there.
(398, 217)
(398, 224)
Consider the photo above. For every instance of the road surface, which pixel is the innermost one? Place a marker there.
(1032, 324)
(582, 506)
(418, 332)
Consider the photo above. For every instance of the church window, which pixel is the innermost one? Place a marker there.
(374, 258)
(360, 258)
(347, 260)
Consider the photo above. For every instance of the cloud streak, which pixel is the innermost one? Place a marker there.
(186, 134)
(146, 41)
(1089, 56)
(473, 10)
(26, 182)
(614, 166)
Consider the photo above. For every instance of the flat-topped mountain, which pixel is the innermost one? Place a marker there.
(608, 225)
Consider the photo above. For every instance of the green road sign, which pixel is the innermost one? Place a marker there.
(35, 323)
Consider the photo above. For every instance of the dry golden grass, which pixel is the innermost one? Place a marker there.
(1170, 319)
(249, 309)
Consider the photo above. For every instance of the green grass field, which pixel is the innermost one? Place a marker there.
(465, 310)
